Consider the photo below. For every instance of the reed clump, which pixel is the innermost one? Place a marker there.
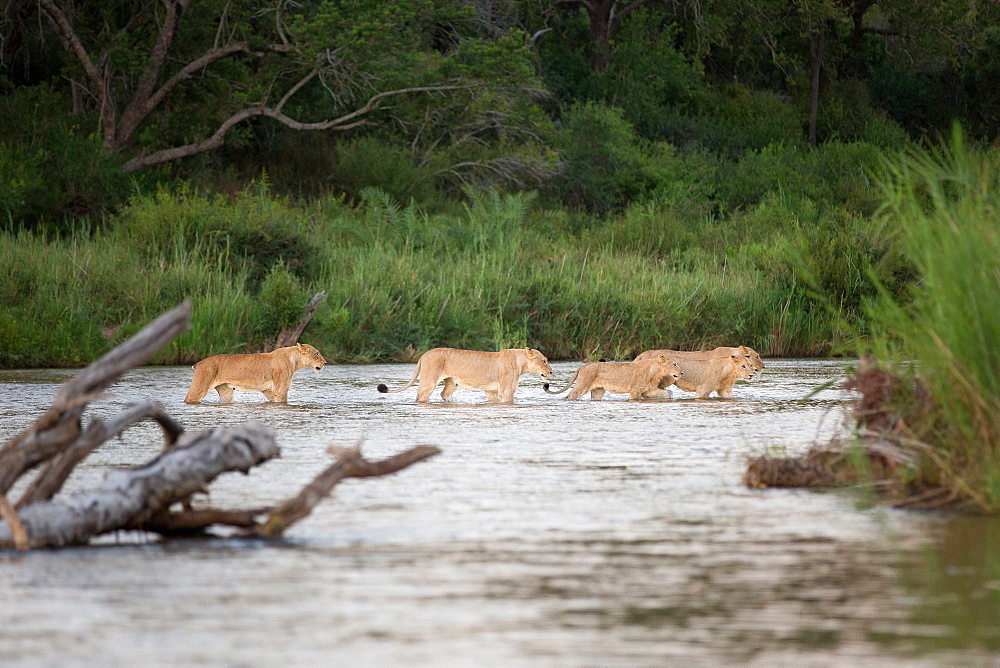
(935, 400)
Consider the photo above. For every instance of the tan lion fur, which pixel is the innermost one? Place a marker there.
(643, 379)
(750, 355)
(495, 373)
(268, 373)
(704, 375)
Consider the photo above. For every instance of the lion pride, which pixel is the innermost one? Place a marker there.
(268, 373)
(706, 374)
(750, 355)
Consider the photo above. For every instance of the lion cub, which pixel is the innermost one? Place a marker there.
(643, 379)
(268, 373)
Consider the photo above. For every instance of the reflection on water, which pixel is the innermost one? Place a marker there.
(549, 532)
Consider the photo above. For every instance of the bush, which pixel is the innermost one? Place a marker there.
(51, 169)
(606, 166)
(943, 203)
(252, 229)
(834, 174)
(733, 119)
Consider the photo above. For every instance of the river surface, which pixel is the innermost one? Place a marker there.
(547, 533)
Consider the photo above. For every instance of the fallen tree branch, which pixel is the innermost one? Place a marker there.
(59, 427)
(141, 497)
(350, 464)
(129, 497)
(50, 480)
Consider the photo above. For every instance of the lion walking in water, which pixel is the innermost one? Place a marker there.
(268, 373)
(496, 374)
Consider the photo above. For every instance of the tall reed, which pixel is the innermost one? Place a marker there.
(944, 205)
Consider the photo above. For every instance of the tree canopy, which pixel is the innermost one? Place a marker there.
(455, 92)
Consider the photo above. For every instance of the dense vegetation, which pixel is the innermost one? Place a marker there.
(593, 178)
(946, 410)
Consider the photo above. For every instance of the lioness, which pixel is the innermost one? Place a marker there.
(642, 379)
(496, 374)
(704, 375)
(751, 356)
(269, 373)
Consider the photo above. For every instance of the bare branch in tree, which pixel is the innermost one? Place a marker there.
(345, 122)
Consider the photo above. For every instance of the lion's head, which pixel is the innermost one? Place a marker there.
(752, 358)
(311, 355)
(744, 369)
(669, 371)
(537, 363)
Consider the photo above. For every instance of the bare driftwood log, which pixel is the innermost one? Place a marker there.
(141, 497)
(126, 497)
(60, 426)
(290, 336)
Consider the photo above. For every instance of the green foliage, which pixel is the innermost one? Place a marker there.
(279, 303)
(606, 166)
(943, 203)
(250, 230)
(733, 119)
(51, 167)
(834, 174)
(647, 76)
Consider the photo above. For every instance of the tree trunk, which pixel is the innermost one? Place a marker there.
(817, 44)
(600, 35)
(290, 336)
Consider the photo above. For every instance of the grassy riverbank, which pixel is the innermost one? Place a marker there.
(928, 418)
(486, 271)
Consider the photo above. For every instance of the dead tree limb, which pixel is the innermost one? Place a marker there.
(141, 497)
(350, 464)
(59, 427)
(128, 497)
(290, 336)
(51, 478)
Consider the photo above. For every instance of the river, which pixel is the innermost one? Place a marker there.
(547, 533)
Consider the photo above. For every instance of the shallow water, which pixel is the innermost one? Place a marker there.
(548, 532)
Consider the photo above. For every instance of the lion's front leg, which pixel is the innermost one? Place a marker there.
(492, 396)
(657, 394)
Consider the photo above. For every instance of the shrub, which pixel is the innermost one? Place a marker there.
(51, 168)
(606, 166)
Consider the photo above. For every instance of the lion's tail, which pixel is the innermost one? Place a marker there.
(568, 385)
(384, 389)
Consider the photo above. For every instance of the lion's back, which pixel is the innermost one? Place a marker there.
(474, 366)
(238, 369)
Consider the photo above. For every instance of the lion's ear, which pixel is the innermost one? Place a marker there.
(661, 358)
(744, 350)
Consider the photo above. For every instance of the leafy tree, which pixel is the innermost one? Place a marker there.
(174, 78)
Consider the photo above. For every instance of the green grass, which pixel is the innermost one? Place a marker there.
(944, 205)
(490, 271)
